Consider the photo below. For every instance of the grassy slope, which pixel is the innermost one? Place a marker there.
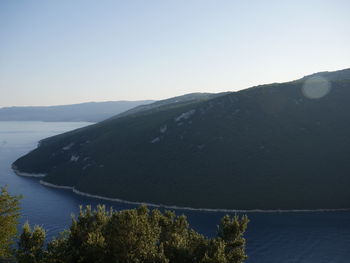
(266, 147)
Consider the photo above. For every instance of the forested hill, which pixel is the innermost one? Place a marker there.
(276, 146)
(90, 111)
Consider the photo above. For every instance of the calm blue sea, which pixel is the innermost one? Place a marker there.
(310, 237)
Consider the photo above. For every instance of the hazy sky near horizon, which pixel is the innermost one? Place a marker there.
(72, 51)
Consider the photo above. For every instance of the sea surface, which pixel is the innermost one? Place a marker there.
(310, 237)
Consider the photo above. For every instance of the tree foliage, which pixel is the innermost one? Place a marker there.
(9, 214)
(134, 236)
(31, 244)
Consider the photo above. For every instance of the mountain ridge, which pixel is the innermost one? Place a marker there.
(87, 111)
(258, 148)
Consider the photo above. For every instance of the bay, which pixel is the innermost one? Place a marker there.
(271, 237)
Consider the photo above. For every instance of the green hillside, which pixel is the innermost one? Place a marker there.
(277, 146)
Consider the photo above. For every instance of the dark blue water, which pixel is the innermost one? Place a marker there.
(271, 237)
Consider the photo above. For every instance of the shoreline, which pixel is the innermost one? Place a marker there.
(19, 173)
(75, 191)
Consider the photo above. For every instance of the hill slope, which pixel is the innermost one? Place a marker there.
(187, 98)
(277, 146)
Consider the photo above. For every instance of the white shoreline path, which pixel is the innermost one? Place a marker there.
(16, 171)
(14, 168)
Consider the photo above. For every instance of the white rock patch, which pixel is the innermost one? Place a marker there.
(185, 115)
(67, 147)
(86, 166)
(74, 158)
(163, 129)
(157, 139)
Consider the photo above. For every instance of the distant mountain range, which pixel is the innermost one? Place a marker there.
(275, 146)
(90, 111)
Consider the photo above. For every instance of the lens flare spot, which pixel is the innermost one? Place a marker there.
(316, 87)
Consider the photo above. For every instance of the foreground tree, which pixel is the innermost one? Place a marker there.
(31, 245)
(135, 236)
(9, 215)
(231, 231)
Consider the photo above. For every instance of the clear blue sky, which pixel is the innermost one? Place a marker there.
(71, 51)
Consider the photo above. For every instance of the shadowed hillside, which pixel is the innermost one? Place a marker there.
(276, 146)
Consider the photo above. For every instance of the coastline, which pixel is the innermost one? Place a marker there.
(19, 173)
(74, 190)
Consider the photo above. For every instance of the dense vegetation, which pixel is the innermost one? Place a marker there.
(128, 236)
(9, 214)
(276, 146)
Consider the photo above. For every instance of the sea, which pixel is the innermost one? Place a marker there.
(295, 237)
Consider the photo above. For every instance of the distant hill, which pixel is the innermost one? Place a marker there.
(90, 111)
(275, 146)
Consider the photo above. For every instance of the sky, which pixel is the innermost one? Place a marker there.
(73, 51)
